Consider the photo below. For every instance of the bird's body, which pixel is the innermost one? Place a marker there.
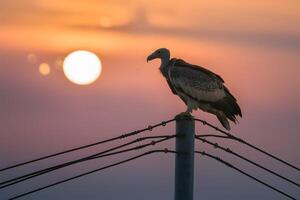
(198, 87)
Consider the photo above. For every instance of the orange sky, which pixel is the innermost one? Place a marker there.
(64, 24)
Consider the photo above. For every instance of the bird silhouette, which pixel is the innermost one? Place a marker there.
(199, 88)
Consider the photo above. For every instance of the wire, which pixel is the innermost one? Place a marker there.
(245, 173)
(216, 145)
(93, 156)
(149, 128)
(212, 135)
(248, 144)
(90, 172)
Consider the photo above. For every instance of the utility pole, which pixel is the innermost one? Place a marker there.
(184, 161)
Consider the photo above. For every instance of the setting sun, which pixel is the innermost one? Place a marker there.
(82, 67)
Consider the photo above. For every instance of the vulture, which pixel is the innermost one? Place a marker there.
(198, 87)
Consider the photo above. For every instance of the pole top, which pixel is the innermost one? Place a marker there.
(184, 116)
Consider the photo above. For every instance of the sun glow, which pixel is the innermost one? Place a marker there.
(82, 67)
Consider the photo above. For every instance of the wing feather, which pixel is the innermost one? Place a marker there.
(182, 63)
(196, 83)
(193, 83)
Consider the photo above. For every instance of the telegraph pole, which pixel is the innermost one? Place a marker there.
(184, 161)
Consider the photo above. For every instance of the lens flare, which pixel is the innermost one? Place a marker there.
(44, 69)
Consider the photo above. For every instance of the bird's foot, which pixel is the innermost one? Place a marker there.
(186, 114)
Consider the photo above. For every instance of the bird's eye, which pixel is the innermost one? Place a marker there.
(158, 51)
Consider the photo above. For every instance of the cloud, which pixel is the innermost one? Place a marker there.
(252, 25)
(141, 25)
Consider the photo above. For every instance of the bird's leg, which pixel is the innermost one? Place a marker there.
(189, 108)
(188, 111)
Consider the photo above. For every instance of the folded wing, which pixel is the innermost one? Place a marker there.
(204, 87)
(196, 82)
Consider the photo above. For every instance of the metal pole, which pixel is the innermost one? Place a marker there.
(184, 161)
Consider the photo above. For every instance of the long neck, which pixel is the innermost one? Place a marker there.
(164, 60)
(164, 65)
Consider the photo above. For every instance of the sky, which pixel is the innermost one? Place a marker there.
(253, 45)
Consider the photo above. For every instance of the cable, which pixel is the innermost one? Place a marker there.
(149, 128)
(245, 173)
(212, 135)
(93, 171)
(248, 144)
(93, 156)
(90, 157)
(216, 145)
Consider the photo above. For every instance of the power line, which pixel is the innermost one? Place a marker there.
(216, 145)
(245, 173)
(111, 152)
(90, 172)
(93, 156)
(248, 144)
(149, 128)
(86, 158)
(212, 135)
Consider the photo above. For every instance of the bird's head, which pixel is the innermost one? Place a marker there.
(162, 53)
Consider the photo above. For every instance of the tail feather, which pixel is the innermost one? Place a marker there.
(229, 107)
(222, 118)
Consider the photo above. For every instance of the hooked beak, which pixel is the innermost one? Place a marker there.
(151, 57)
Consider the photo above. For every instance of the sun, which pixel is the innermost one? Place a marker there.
(82, 67)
